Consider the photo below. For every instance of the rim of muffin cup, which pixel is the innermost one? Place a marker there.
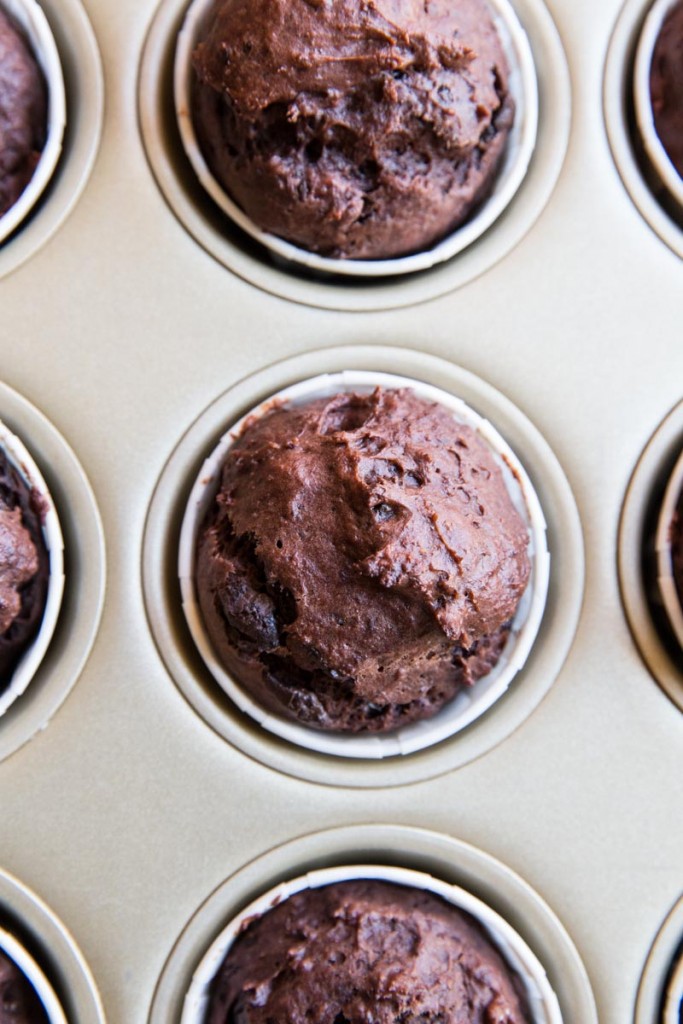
(26, 668)
(35, 975)
(30, 17)
(673, 1006)
(510, 174)
(656, 153)
(542, 1001)
(470, 702)
(663, 547)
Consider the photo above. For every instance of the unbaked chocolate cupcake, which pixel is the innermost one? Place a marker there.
(666, 85)
(353, 130)
(362, 561)
(32, 110)
(364, 950)
(31, 567)
(658, 94)
(24, 567)
(23, 111)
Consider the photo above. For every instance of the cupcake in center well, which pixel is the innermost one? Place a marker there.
(362, 560)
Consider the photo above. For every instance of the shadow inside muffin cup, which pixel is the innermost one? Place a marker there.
(528, 972)
(519, 148)
(28, 15)
(470, 702)
(673, 496)
(655, 153)
(673, 1000)
(30, 660)
(16, 952)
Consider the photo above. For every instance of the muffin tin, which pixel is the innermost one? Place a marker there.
(139, 330)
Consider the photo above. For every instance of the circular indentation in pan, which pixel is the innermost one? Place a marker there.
(84, 86)
(42, 934)
(637, 557)
(163, 599)
(642, 183)
(84, 570)
(660, 995)
(446, 859)
(220, 237)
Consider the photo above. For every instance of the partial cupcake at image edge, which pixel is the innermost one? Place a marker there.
(357, 562)
(658, 91)
(32, 109)
(373, 943)
(31, 568)
(26, 995)
(356, 133)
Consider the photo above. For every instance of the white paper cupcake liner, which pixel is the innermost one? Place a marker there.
(519, 149)
(665, 568)
(30, 17)
(30, 969)
(543, 1004)
(656, 153)
(673, 1004)
(52, 534)
(470, 702)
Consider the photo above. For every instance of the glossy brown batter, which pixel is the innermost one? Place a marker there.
(364, 952)
(24, 568)
(23, 113)
(666, 86)
(362, 561)
(19, 1003)
(359, 128)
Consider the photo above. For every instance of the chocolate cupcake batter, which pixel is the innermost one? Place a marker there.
(666, 86)
(360, 128)
(19, 1003)
(23, 113)
(364, 951)
(24, 568)
(362, 561)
